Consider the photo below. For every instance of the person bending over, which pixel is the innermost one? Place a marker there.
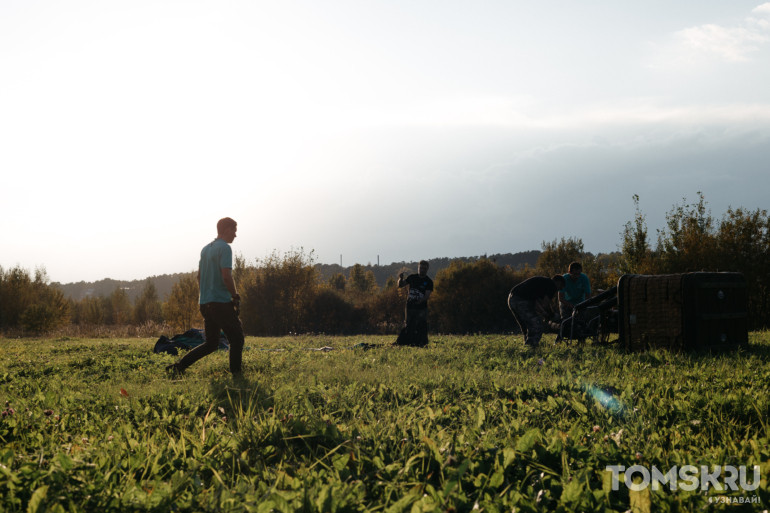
(530, 301)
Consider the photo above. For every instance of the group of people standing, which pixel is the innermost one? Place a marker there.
(529, 301)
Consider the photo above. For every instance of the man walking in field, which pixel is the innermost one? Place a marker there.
(415, 331)
(219, 300)
(530, 301)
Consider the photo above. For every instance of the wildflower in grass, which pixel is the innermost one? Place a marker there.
(47, 413)
(596, 429)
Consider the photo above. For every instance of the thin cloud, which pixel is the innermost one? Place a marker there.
(762, 19)
(714, 42)
(521, 113)
(732, 44)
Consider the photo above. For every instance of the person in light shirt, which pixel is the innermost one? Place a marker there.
(577, 289)
(219, 300)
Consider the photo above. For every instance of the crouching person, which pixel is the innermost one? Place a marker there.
(530, 301)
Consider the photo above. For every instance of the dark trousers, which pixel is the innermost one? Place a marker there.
(415, 331)
(565, 310)
(216, 317)
(531, 325)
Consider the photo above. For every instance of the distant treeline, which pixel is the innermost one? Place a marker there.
(165, 282)
(290, 293)
(102, 288)
(383, 272)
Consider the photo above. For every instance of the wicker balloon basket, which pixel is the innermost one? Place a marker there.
(683, 311)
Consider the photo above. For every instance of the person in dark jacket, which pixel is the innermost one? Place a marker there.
(530, 301)
(415, 331)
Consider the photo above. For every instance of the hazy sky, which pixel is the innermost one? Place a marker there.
(404, 129)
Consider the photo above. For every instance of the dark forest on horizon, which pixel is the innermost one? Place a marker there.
(164, 283)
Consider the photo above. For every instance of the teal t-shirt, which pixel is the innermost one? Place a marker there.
(576, 291)
(214, 256)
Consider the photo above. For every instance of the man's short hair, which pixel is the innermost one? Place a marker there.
(558, 278)
(425, 263)
(575, 265)
(225, 223)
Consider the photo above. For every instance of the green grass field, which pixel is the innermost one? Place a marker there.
(471, 423)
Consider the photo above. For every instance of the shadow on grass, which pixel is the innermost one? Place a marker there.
(240, 395)
(751, 349)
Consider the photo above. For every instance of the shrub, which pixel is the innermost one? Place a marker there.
(473, 297)
(277, 294)
(557, 255)
(38, 318)
(385, 310)
(182, 311)
(147, 306)
(691, 242)
(362, 280)
(688, 243)
(330, 312)
(32, 304)
(743, 244)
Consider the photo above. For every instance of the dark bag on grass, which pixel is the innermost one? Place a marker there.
(187, 340)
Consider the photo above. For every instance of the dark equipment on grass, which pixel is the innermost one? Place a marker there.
(688, 311)
(595, 318)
